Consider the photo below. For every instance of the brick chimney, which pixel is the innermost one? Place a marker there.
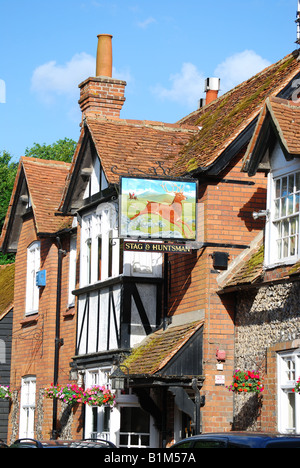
(102, 95)
(211, 88)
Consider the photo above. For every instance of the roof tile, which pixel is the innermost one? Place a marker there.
(154, 353)
(225, 118)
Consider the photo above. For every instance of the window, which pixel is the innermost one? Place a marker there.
(33, 266)
(27, 407)
(286, 215)
(100, 248)
(135, 427)
(288, 401)
(98, 419)
(72, 270)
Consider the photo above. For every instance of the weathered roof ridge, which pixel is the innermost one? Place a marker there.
(47, 162)
(236, 88)
(157, 125)
(247, 267)
(228, 116)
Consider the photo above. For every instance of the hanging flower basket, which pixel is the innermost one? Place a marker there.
(5, 393)
(71, 394)
(296, 389)
(246, 382)
(98, 396)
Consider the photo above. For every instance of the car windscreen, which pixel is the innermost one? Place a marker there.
(210, 443)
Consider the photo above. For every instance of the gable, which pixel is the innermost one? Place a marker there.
(168, 352)
(187, 361)
(38, 188)
(278, 125)
(123, 147)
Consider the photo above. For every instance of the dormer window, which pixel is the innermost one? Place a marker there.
(282, 227)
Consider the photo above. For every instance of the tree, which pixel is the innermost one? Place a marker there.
(8, 170)
(61, 150)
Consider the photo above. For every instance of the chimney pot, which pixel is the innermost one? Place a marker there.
(102, 95)
(212, 88)
(104, 55)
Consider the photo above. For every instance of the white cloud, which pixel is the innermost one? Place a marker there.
(51, 80)
(144, 24)
(187, 86)
(238, 68)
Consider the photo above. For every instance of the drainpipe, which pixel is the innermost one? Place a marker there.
(197, 406)
(58, 340)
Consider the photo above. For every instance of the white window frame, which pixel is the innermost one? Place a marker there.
(33, 266)
(288, 371)
(282, 170)
(101, 223)
(99, 416)
(72, 269)
(27, 407)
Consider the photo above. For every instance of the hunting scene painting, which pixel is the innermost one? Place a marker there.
(158, 209)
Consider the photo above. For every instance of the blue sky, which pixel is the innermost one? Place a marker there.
(164, 49)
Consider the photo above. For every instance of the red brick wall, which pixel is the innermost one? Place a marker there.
(227, 218)
(34, 336)
(103, 96)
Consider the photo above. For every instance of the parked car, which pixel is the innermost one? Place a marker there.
(3, 444)
(238, 440)
(85, 443)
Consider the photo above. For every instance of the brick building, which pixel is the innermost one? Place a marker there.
(265, 281)
(101, 307)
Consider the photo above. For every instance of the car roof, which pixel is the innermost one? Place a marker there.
(251, 438)
(84, 443)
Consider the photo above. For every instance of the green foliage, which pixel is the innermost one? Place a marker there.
(8, 171)
(61, 150)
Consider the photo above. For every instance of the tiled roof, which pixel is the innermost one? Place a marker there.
(156, 351)
(225, 118)
(285, 116)
(45, 180)
(131, 145)
(7, 281)
(247, 268)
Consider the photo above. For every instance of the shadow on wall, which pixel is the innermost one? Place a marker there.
(256, 203)
(247, 411)
(180, 278)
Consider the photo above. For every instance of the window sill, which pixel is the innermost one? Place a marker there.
(70, 311)
(282, 263)
(30, 319)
